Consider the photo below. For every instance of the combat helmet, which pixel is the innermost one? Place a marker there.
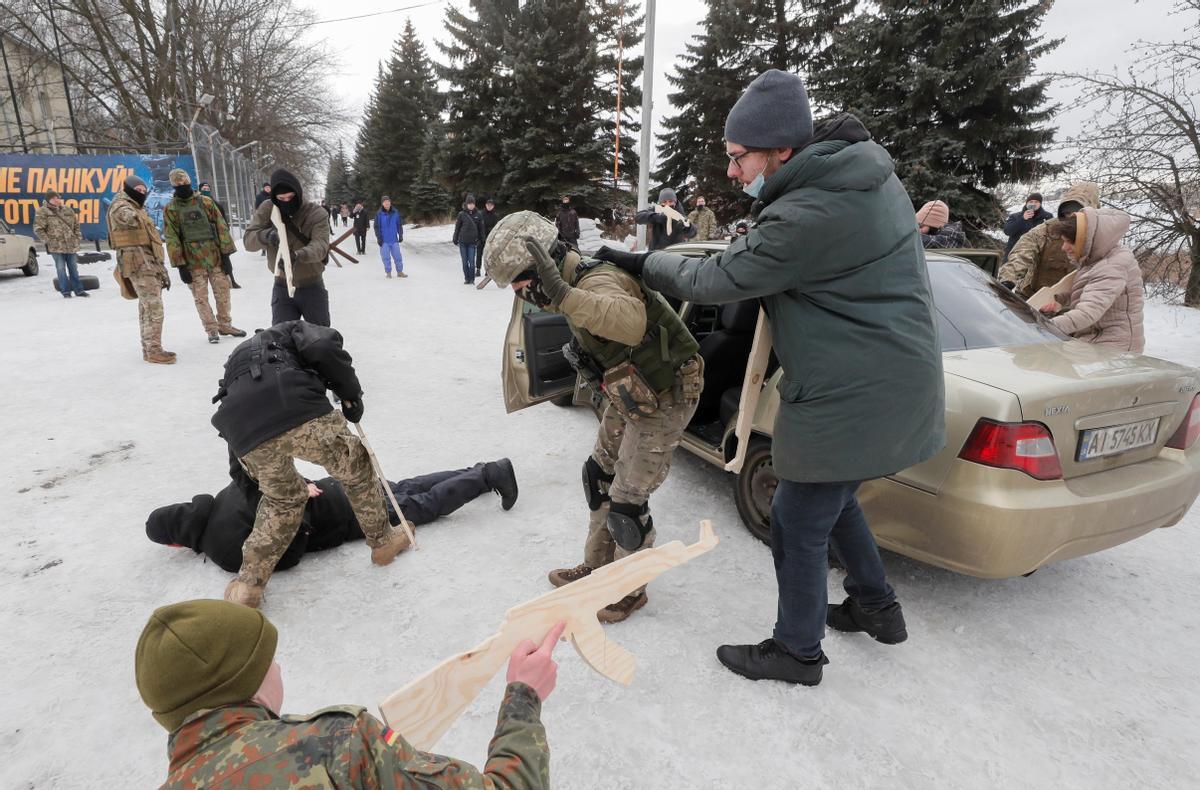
(505, 255)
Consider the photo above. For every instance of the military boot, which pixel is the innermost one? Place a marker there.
(213, 337)
(231, 331)
(244, 593)
(885, 625)
(563, 576)
(500, 477)
(616, 612)
(159, 357)
(398, 542)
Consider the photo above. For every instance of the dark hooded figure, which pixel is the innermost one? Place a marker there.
(218, 525)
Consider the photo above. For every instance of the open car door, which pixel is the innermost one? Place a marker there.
(534, 368)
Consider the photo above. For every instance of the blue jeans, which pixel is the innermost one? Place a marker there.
(467, 251)
(805, 518)
(64, 262)
(388, 252)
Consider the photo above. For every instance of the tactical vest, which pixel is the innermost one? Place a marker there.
(666, 345)
(194, 225)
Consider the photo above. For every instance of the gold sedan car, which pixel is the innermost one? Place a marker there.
(1055, 448)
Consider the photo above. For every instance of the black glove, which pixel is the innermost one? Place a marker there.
(226, 266)
(632, 262)
(269, 237)
(185, 275)
(353, 409)
(1009, 284)
(553, 285)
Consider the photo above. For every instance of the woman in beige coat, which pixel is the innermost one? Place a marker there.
(1106, 300)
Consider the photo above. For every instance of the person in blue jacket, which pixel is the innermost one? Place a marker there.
(389, 232)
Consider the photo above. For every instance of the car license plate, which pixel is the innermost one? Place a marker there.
(1101, 442)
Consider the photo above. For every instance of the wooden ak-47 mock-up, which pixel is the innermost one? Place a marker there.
(284, 255)
(424, 709)
(672, 216)
(1046, 296)
(756, 372)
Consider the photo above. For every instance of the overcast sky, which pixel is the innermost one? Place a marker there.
(1096, 35)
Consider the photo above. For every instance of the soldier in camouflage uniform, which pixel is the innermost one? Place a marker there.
(206, 670)
(633, 347)
(703, 220)
(274, 408)
(199, 245)
(133, 235)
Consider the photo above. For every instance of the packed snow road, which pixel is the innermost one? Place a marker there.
(1082, 675)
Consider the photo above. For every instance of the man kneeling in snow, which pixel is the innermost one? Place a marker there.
(218, 526)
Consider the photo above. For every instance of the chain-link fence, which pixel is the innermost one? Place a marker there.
(235, 173)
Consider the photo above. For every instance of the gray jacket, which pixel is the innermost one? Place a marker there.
(835, 258)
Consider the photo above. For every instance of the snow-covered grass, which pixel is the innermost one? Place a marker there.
(1082, 675)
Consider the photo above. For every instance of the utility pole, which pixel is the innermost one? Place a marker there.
(13, 92)
(646, 146)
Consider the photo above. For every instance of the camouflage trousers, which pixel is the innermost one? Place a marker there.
(201, 279)
(147, 282)
(327, 442)
(638, 452)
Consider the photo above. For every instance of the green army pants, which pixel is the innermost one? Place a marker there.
(327, 442)
(638, 452)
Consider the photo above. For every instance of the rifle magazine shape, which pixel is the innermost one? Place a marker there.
(424, 709)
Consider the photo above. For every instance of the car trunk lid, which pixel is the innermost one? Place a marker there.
(1079, 391)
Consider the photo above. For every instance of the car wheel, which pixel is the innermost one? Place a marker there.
(90, 282)
(31, 265)
(565, 401)
(754, 488)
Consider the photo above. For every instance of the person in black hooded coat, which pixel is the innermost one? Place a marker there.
(217, 526)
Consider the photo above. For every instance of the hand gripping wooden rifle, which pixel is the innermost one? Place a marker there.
(424, 709)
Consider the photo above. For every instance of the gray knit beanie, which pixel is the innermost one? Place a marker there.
(666, 193)
(772, 113)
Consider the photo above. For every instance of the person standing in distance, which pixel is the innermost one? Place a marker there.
(362, 223)
(834, 257)
(57, 227)
(567, 222)
(703, 220)
(208, 673)
(389, 232)
(488, 219)
(468, 234)
(133, 235)
(306, 225)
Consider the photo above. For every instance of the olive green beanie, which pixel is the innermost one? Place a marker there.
(201, 654)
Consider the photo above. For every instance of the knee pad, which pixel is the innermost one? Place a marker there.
(594, 477)
(629, 524)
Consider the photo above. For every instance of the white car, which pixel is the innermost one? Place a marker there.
(17, 252)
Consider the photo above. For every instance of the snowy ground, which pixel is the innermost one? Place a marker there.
(1082, 675)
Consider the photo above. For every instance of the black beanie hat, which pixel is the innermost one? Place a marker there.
(1035, 196)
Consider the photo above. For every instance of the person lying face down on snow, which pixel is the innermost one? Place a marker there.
(218, 525)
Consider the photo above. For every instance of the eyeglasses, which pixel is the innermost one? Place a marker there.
(736, 159)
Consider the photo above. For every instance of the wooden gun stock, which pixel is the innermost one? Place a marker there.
(424, 709)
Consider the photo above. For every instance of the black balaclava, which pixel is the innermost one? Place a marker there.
(183, 191)
(283, 181)
(182, 524)
(129, 189)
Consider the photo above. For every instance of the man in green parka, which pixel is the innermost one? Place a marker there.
(834, 257)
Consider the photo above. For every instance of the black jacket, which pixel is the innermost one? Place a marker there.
(218, 526)
(1017, 226)
(469, 227)
(276, 381)
(262, 195)
(567, 223)
(362, 220)
(657, 228)
(489, 221)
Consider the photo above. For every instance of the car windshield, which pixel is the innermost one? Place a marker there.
(975, 311)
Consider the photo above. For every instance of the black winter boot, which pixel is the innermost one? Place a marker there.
(769, 660)
(501, 478)
(884, 625)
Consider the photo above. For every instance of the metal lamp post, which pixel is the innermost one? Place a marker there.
(643, 195)
(205, 100)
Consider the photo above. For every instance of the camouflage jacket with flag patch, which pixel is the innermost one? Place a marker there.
(246, 745)
(205, 253)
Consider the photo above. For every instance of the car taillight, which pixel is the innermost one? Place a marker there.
(1025, 446)
(1189, 429)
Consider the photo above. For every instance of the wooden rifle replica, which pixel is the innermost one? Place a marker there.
(756, 372)
(672, 216)
(284, 255)
(423, 710)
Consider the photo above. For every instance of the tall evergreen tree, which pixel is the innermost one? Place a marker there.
(472, 158)
(950, 90)
(338, 182)
(560, 147)
(739, 40)
(430, 200)
(390, 143)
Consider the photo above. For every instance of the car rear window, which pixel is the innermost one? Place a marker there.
(975, 311)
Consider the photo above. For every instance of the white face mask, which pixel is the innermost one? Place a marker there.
(754, 187)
